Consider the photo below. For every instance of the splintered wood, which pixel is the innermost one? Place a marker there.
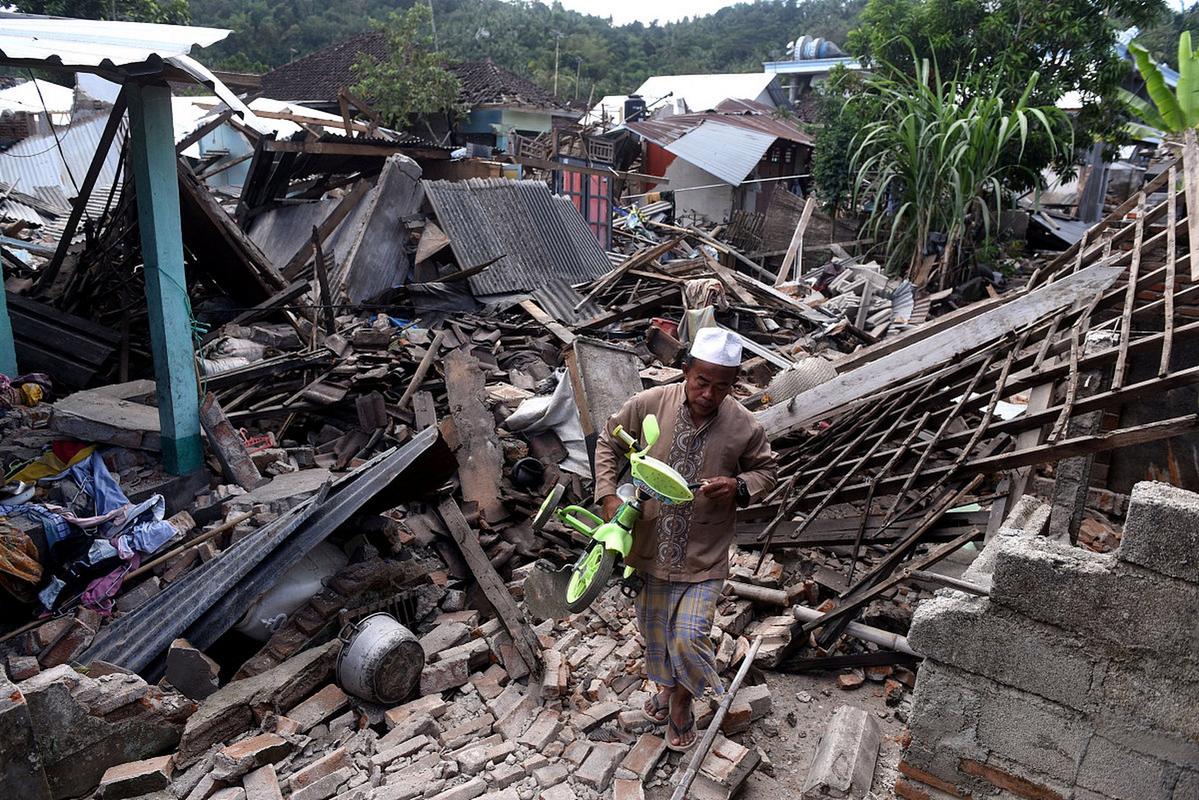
(480, 462)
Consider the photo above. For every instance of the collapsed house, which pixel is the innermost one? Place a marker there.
(393, 355)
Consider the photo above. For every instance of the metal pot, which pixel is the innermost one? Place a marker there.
(380, 659)
(528, 473)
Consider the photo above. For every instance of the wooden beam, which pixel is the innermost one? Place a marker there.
(795, 249)
(1190, 180)
(494, 589)
(558, 166)
(1171, 270)
(205, 129)
(1131, 294)
(48, 273)
(560, 332)
(375, 150)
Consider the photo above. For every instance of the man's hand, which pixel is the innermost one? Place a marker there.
(611, 504)
(722, 489)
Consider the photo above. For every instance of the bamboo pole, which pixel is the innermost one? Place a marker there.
(705, 744)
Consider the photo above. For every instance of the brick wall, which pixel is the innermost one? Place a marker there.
(1077, 678)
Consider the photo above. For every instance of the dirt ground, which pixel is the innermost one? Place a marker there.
(789, 748)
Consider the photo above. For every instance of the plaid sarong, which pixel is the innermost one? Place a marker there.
(676, 621)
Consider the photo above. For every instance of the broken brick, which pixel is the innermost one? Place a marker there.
(136, 778)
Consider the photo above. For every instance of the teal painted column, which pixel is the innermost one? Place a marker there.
(8, 353)
(152, 155)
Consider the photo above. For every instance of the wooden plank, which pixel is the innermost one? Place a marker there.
(116, 116)
(322, 280)
(1171, 270)
(795, 249)
(492, 586)
(422, 369)
(1190, 179)
(425, 410)
(255, 262)
(231, 452)
(817, 403)
(560, 332)
(1130, 296)
(640, 306)
(604, 376)
(638, 259)
(480, 462)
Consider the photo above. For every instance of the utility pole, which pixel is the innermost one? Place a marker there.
(557, 47)
(578, 70)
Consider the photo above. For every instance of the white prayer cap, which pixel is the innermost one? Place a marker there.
(717, 346)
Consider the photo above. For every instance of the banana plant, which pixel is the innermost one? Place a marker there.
(1171, 111)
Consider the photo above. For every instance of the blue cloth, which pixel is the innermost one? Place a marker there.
(93, 477)
(55, 526)
(143, 530)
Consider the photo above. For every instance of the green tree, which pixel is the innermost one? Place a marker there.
(171, 12)
(837, 123)
(936, 157)
(1070, 43)
(1171, 112)
(411, 81)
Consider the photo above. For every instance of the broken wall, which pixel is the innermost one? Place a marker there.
(1077, 678)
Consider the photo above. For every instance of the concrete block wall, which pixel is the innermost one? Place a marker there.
(1078, 678)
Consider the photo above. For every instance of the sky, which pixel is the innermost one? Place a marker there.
(625, 11)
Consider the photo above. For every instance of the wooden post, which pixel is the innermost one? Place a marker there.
(152, 155)
(8, 352)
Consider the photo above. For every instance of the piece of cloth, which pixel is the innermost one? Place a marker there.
(688, 542)
(704, 292)
(100, 595)
(20, 570)
(557, 412)
(53, 523)
(695, 320)
(717, 346)
(53, 462)
(676, 622)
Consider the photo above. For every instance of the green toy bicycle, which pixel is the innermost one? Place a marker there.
(612, 541)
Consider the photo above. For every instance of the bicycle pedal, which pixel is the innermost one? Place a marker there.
(631, 586)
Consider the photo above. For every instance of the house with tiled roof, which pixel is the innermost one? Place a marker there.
(500, 101)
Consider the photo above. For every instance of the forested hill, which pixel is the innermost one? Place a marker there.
(520, 35)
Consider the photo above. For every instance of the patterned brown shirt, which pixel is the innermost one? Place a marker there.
(688, 542)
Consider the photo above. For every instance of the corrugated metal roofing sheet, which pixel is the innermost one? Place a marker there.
(728, 152)
(37, 161)
(97, 43)
(534, 236)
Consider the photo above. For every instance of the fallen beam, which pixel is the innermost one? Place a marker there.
(941, 348)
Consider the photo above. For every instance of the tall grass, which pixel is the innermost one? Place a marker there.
(936, 159)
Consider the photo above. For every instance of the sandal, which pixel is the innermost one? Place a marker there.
(661, 710)
(677, 733)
